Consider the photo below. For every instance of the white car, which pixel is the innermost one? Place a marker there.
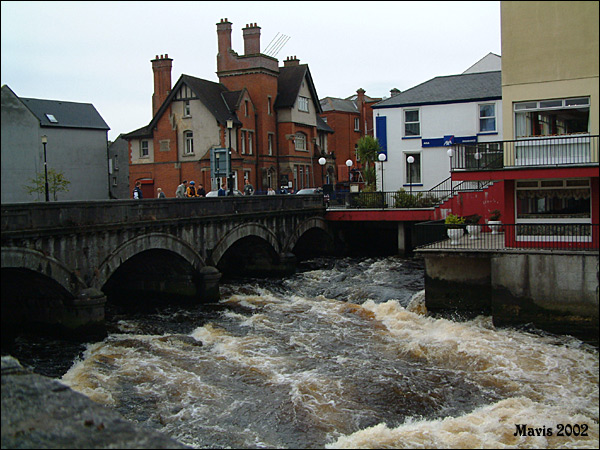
(236, 193)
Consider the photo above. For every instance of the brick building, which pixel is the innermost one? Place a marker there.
(267, 115)
(350, 118)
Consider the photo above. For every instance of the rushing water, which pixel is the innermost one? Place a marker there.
(341, 355)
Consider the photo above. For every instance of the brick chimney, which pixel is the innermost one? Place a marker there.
(291, 61)
(395, 91)
(161, 66)
(251, 39)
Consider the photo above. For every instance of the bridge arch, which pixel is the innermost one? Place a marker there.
(303, 227)
(150, 241)
(240, 232)
(36, 261)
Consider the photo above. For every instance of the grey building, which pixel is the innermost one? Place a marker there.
(118, 168)
(77, 147)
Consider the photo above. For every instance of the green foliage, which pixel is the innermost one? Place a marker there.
(56, 183)
(473, 219)
(454, 221)
(495, 214)
(367, 150)
(403, 199)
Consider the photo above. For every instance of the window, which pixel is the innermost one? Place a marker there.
(114, 181)
(412, 126)
(116, 162)
(250, 139)
(246, 108)
(487, 118)
(269, 105)
(51, 118)
(303, 104)
(187, 112)
(243, 136)
(189, 143)
(270, 138)
(144, 152)
(300, 141)
(413, 171)
(554, 199)
(356, 124)
(552, 117)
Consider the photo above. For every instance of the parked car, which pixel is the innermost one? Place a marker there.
(309, 191)
(236, 193)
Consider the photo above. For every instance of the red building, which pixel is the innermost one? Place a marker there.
(350, 118)
(265, 116)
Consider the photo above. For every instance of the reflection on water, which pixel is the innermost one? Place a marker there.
(341, 355)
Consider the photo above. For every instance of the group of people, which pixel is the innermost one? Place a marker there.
(185, 190)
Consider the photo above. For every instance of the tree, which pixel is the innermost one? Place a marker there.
(56, 183)
(367, 151)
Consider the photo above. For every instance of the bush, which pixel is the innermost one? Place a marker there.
(454, 221)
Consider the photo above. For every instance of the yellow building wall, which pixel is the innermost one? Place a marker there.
(549, 50)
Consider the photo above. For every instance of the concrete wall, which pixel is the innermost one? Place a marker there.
(556, 292)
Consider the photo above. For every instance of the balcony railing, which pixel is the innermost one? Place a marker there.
(531, 152)
(566, 236)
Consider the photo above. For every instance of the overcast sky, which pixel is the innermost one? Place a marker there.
(100, 52)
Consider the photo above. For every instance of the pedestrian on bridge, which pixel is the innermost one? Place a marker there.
(137, 191)
(191, 190)
(181, 189)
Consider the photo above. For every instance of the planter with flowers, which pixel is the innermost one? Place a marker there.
(454, 228)
(494, 221)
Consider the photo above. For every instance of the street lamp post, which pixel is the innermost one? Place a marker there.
(230, 172)
(410, 160)
(349, 164)
(44, 142)
(381, 157)
(450, 154)
(322, 162)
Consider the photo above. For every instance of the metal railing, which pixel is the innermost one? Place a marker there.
(436, 235)
(530, 152)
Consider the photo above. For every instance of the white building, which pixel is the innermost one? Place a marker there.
(425, 120)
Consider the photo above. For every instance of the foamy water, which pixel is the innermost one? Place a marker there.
(286, 366)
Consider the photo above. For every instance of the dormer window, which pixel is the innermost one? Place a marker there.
(303, 104)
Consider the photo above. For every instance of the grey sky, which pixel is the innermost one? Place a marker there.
(100, 52)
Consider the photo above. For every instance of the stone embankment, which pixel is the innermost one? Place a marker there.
(40, 412)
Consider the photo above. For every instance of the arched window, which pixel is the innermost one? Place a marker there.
(300, 141)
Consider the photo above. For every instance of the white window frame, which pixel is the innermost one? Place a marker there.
(419, 161)
(144, 148)
(487, 118)
(250, 140)
(412, 122)
(270, 143)
(189, 142)
(300, 142)
(187, 110)
(303, 104)
(243, 139)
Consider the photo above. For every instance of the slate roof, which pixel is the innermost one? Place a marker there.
(67, 114)
(215, 96)
(289, 83)
(338, 104)
(322, 125)
(449, 89)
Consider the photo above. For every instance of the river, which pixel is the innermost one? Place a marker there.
(340, 355)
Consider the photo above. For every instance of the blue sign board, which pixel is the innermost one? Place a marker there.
(381, 132)
(447, 141)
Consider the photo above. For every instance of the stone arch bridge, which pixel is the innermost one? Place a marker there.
(61, 259)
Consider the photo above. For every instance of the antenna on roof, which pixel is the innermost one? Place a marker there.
(276, 44)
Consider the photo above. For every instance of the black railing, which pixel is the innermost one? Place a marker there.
(539, 151)
(564, 236)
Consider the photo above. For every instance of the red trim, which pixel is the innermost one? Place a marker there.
(529, 173)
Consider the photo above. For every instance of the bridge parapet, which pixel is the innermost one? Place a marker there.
(21, 217)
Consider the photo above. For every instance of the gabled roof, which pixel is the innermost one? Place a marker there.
(215, 96)
(449, 89)
(322, 125)
(61, 114)
(289, 83)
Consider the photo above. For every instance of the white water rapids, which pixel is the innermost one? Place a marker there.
(342, 356)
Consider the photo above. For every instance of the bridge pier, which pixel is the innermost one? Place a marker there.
(85, 315)
(210, 277)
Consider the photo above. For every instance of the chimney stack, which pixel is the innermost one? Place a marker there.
(161, 66)
(224, 36)
(251, 39)
(395, 92)
(291, 61)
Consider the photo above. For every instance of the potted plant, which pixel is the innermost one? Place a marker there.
(494, 221)
(454, 227)
(473, 227)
